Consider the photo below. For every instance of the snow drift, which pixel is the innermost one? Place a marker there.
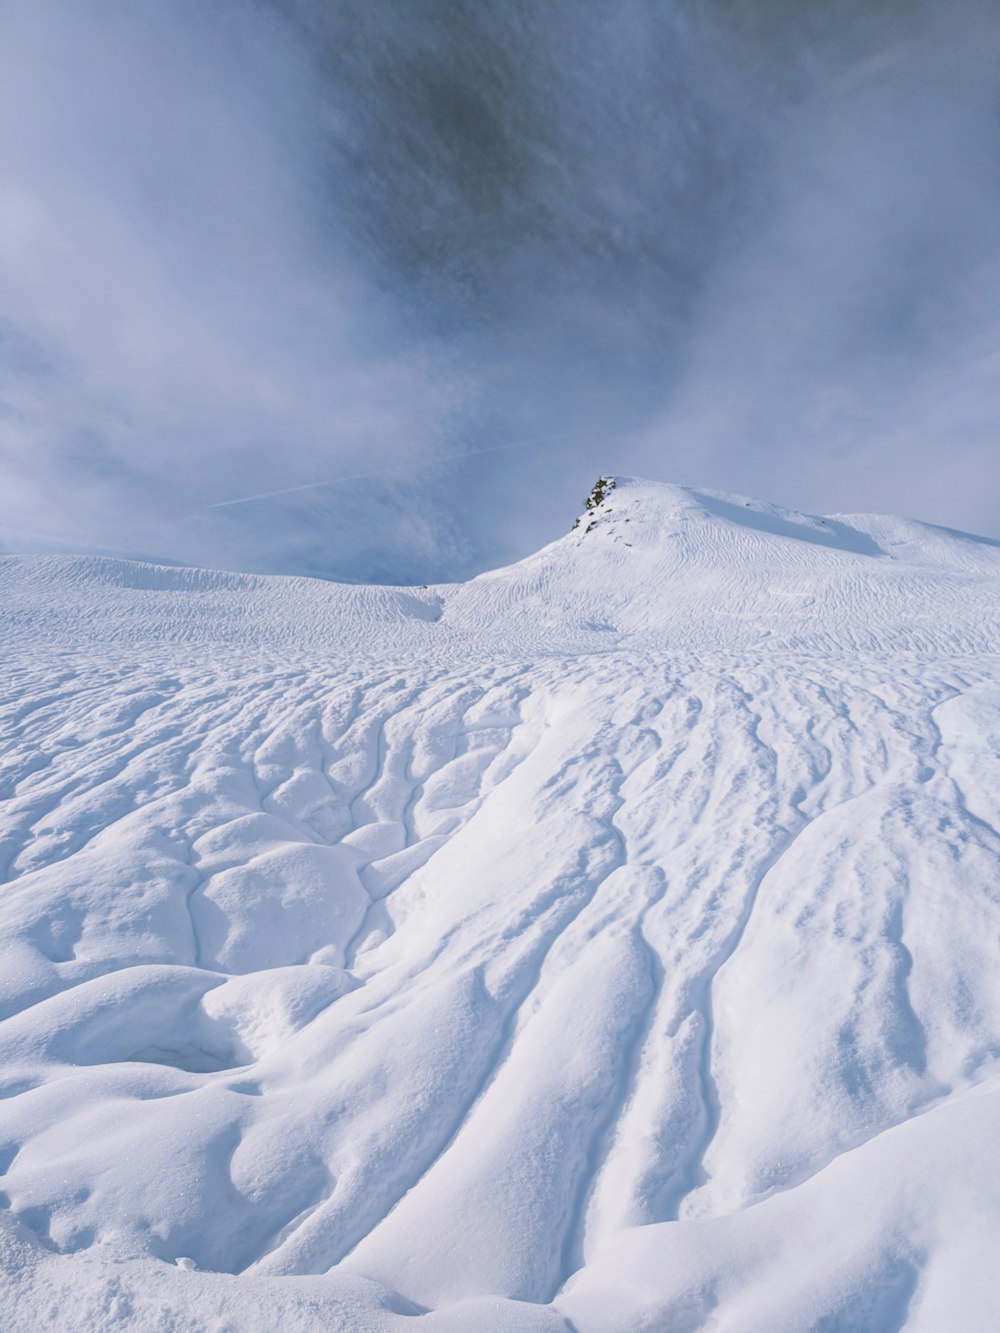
(608, 942)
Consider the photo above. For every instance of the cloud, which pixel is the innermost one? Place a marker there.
(250, 246)
(175, 320)
(845, 355)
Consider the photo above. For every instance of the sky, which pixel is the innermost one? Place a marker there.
(427, 268)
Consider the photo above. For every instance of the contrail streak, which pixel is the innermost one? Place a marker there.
(378, 472)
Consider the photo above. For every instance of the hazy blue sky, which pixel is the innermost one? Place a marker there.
(246, 246)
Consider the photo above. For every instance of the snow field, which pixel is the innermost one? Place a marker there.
(607, 943)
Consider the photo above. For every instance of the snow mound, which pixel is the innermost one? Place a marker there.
(608, 942)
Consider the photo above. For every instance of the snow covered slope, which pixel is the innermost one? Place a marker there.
(610, 942)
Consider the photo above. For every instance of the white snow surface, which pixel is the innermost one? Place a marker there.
(607, 943)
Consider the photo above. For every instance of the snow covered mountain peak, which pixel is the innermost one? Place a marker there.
(720, 525)
(650, 562)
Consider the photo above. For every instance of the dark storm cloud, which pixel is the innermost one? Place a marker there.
(517, 165)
